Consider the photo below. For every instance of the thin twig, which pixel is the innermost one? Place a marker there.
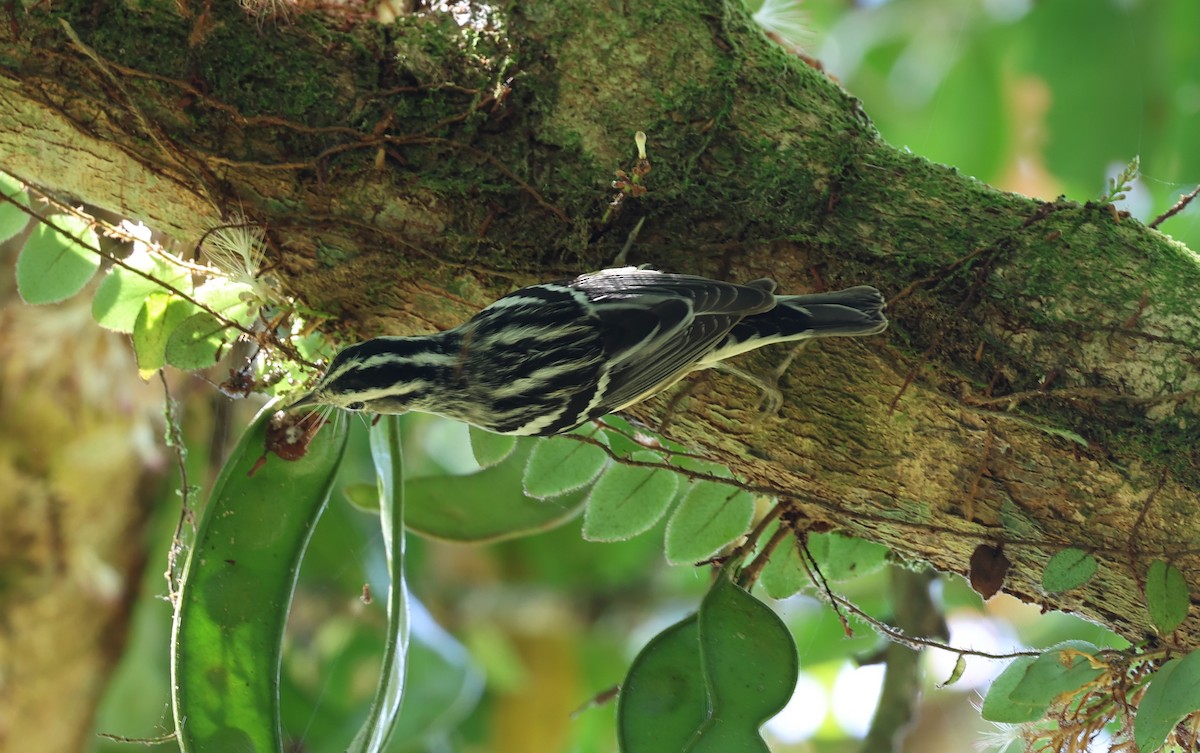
(175, 440)
(147, 741)
(1178, 207)
(813, 570)
(749, 575)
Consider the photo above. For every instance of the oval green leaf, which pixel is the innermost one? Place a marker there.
(1068, 569)
(999, 706)
(1167, 597)
(1173, 693)
(846, 557)
(237, 587)
(559, 465)
(12, 219)
(232, 300)
(663, 700)
(123, 292)
(160, 316)
(197, 342)
(784, 574)
(627, 499)
(709, 516)
(490, 448)
(1062, 669)
(53, 265)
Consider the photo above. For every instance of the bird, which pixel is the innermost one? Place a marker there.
(548, 358)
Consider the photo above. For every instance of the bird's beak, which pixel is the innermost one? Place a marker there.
(309, 398)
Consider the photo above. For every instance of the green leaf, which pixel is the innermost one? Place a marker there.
(488, 505)
(53, 266)
(663, 701)
(999, 706)
(362, 495)
(707, 683)
(160, 316)
(12, 219)
(960, 666)
(1063, 669)
(237, 588)
(627, 500)
(122, 292)
(750, 669)
(196, 343)
(375, 733)
(1068, 569)
(1173, 693)
(710, 516)
(232, 300)
(559, 465)
(490, 448)
(784, 574)
(1167, 597)
(846, 557)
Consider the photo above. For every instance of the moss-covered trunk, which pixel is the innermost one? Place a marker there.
(1038, 387)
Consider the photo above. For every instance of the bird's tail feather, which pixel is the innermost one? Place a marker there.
(853, 312)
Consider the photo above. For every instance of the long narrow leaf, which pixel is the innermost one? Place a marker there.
(389, 469)
(237, 588)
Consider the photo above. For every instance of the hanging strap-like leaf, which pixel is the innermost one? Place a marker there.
(237, 588)
(389, 470)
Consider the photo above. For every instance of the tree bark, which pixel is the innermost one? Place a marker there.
(1038, 386)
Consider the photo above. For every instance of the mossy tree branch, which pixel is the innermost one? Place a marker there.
(1038, 388)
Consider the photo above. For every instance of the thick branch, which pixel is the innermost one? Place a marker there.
(1038, 387)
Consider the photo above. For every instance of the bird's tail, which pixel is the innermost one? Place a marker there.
(853, 312)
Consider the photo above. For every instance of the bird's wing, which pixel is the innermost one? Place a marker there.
(658, 325)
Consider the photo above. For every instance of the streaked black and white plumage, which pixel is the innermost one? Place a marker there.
(548, 358)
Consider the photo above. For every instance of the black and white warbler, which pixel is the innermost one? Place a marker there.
(548, 358)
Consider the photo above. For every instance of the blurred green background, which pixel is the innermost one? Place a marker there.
(1041, 98)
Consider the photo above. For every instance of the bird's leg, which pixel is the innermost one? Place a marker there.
(770, 400)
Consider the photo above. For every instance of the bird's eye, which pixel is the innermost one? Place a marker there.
(357, 405)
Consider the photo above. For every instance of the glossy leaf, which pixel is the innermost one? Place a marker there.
(750, 669)
(122, 293)
(1167, 597)
(1070, 568)
(197, 341)
(488, 505)
(663, 700)
(709, 516)
(53, 266)
(1173, 693)
(490, 448)
(627, 500)
(237, 587)
(999, 706)
(559, 465)
(12, 219)
(375, 733)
